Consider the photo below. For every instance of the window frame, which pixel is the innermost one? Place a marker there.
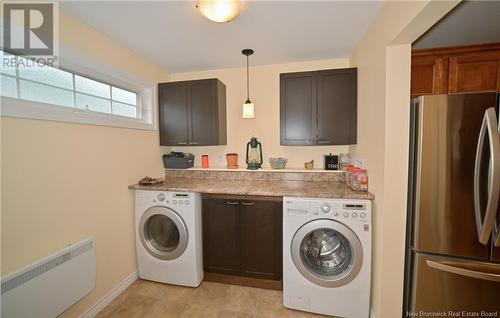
(92, 69)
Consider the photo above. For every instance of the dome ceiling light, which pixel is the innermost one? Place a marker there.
(219, 11)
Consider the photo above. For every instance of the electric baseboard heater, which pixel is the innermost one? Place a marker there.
(46, 288)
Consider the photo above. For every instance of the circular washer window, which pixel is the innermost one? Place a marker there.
(163, 233)
(327, 253)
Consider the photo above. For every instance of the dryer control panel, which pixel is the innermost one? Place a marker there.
(171, 198)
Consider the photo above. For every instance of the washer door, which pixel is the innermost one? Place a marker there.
(327, 253)
(163, 233)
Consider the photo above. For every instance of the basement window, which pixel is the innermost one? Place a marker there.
(28, 89)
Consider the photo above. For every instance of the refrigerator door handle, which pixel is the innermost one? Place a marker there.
(489, 126)
(479, 271)
(496, 224)
(496, 233)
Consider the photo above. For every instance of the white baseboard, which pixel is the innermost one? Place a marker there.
(108, 298)
(372, 315)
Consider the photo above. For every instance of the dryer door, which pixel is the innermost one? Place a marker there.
(327, 253)
(163, 233)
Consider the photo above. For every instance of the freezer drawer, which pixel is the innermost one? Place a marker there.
(443, 284)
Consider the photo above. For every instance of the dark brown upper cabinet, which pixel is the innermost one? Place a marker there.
(319, 107)
(192, 113)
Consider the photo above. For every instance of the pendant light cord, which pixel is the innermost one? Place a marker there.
(248, 82)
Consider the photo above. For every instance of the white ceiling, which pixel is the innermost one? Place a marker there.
(174, 35)
(472, 22)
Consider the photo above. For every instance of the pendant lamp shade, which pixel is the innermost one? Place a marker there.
(248, 110)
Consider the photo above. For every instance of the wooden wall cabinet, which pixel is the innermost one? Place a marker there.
(243, 236)
(192, 113)
(318, 108)
(455, 70)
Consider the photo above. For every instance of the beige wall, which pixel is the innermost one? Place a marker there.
(264, 93)
(63, 182)
(383, 61)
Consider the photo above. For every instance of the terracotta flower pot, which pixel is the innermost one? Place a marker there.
(232, 160)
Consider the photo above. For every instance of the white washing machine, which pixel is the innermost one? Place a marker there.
(168, 237)
(327, 256)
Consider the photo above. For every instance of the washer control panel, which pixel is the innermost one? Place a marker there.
(336, 209)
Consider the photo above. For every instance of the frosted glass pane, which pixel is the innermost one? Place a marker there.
(8, 87)
(92, 103)
(86, 85)
(45, 74)
(124, 96)
(8, 65)
(124, 110)
(46, 94)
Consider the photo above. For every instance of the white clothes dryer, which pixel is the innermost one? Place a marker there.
(168, 237)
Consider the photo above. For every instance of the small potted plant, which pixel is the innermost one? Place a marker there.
(232, 160)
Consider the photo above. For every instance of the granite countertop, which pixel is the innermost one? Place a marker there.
(315, 189)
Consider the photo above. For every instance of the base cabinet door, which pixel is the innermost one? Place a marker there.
(221, 250)
(243, 237)
(261, 236)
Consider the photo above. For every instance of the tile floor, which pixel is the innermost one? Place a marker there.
(145, 299)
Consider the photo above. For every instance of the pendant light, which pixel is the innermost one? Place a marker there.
(248, 107)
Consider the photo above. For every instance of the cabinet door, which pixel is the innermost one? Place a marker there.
(298, 96)
(173, 113)
(475, 72)
(221, 252)
(261, 239)
(429, 75)
(202, 122)
(337, 107)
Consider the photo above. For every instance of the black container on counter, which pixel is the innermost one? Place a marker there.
(178, 160)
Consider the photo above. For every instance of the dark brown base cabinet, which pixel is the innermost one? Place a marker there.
(192, 113)
(243, 236)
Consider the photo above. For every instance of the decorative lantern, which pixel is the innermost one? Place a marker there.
(254, 154)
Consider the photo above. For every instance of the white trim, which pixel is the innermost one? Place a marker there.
(14, 107)
(372, 315)
(109, 297)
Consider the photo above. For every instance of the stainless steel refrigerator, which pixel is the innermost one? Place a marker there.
(452, 260)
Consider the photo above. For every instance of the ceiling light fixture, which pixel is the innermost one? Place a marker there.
(248, 107)
(219, 11)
